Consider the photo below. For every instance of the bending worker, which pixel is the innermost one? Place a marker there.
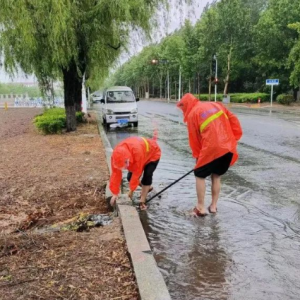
(213, 135)
(139, 156)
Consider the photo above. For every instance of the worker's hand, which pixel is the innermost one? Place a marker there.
(113, 200)
(130, 194)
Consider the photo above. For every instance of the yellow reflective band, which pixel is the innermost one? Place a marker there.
(211, 118)
(147, 144)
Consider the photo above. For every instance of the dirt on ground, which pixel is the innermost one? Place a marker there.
(47, 180)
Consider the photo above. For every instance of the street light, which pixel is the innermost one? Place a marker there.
(154, 61)
(164, 62)
(216, 76)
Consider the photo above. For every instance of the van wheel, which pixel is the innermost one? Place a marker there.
(105, 125)
(135, 124)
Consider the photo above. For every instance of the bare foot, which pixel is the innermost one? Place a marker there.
(199, 213)
(212, 209)
(143, 206)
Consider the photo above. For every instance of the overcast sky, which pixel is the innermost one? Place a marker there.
(169, 22)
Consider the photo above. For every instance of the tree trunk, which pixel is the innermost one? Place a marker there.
(160, 85)
(170, 87)
(70, 79)
(198, 84)
(295, 93)
(209, 83)
(78, 95)
(153, 89)
(228, 72)
(209, 88)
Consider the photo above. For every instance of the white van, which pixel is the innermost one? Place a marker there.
(119, 106)
(97, 96)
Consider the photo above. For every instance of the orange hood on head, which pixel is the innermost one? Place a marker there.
(186, 104)
(119, 157)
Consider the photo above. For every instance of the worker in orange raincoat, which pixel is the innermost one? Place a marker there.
(139, 156)
(213, 135)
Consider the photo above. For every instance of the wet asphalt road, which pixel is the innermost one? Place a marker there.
(250, 249)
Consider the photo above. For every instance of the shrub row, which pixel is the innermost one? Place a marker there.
(285, 99)
(53, 120)
(239, 98)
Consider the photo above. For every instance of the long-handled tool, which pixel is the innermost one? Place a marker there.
(169, 186)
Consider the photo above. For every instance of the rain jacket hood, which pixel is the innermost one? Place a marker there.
(213, 129)
(120, 156)
(186, 104)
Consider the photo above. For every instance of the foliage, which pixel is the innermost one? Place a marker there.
(205, 97)
(53, 120)
(66, 39)
(254, 40)
(285, 99)
(275, 40)
(239, 97)
(251, 97)
(294, 58)
(80, 117)
(19, 89)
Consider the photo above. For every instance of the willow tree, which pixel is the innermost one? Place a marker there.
(66, 39)
(294, 59)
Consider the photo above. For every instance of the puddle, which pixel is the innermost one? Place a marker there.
(249, 249)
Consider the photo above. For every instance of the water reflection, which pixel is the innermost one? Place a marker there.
(250, 249)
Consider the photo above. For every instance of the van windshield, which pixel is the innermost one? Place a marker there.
(120, 97)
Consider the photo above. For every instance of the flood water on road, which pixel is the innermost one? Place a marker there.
(250, 248)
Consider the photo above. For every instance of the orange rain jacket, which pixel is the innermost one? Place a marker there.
(213, 129)
(139, 151)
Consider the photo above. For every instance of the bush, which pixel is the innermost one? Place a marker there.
(285, 99)
(249, 98)
(80, 117)
(205, 97)
(238, 98)
(50, 125)
(53, 120)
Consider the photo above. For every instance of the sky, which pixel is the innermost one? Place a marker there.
(168, 22)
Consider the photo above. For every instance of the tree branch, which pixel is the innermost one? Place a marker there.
(115, 48)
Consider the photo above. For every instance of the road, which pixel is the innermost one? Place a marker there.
(250, 249)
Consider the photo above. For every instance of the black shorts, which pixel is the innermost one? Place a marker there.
(148, 173)
(218, 166)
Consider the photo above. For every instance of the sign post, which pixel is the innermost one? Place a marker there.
(272, 82)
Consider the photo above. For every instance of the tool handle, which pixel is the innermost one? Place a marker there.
(169, 186)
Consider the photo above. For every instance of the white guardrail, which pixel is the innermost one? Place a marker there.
(38, 102)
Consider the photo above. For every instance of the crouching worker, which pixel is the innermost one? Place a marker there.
(213, 135)
(139, 156)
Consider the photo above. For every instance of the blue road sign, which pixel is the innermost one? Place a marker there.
(272, 81)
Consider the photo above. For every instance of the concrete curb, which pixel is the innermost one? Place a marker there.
(151, 284)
